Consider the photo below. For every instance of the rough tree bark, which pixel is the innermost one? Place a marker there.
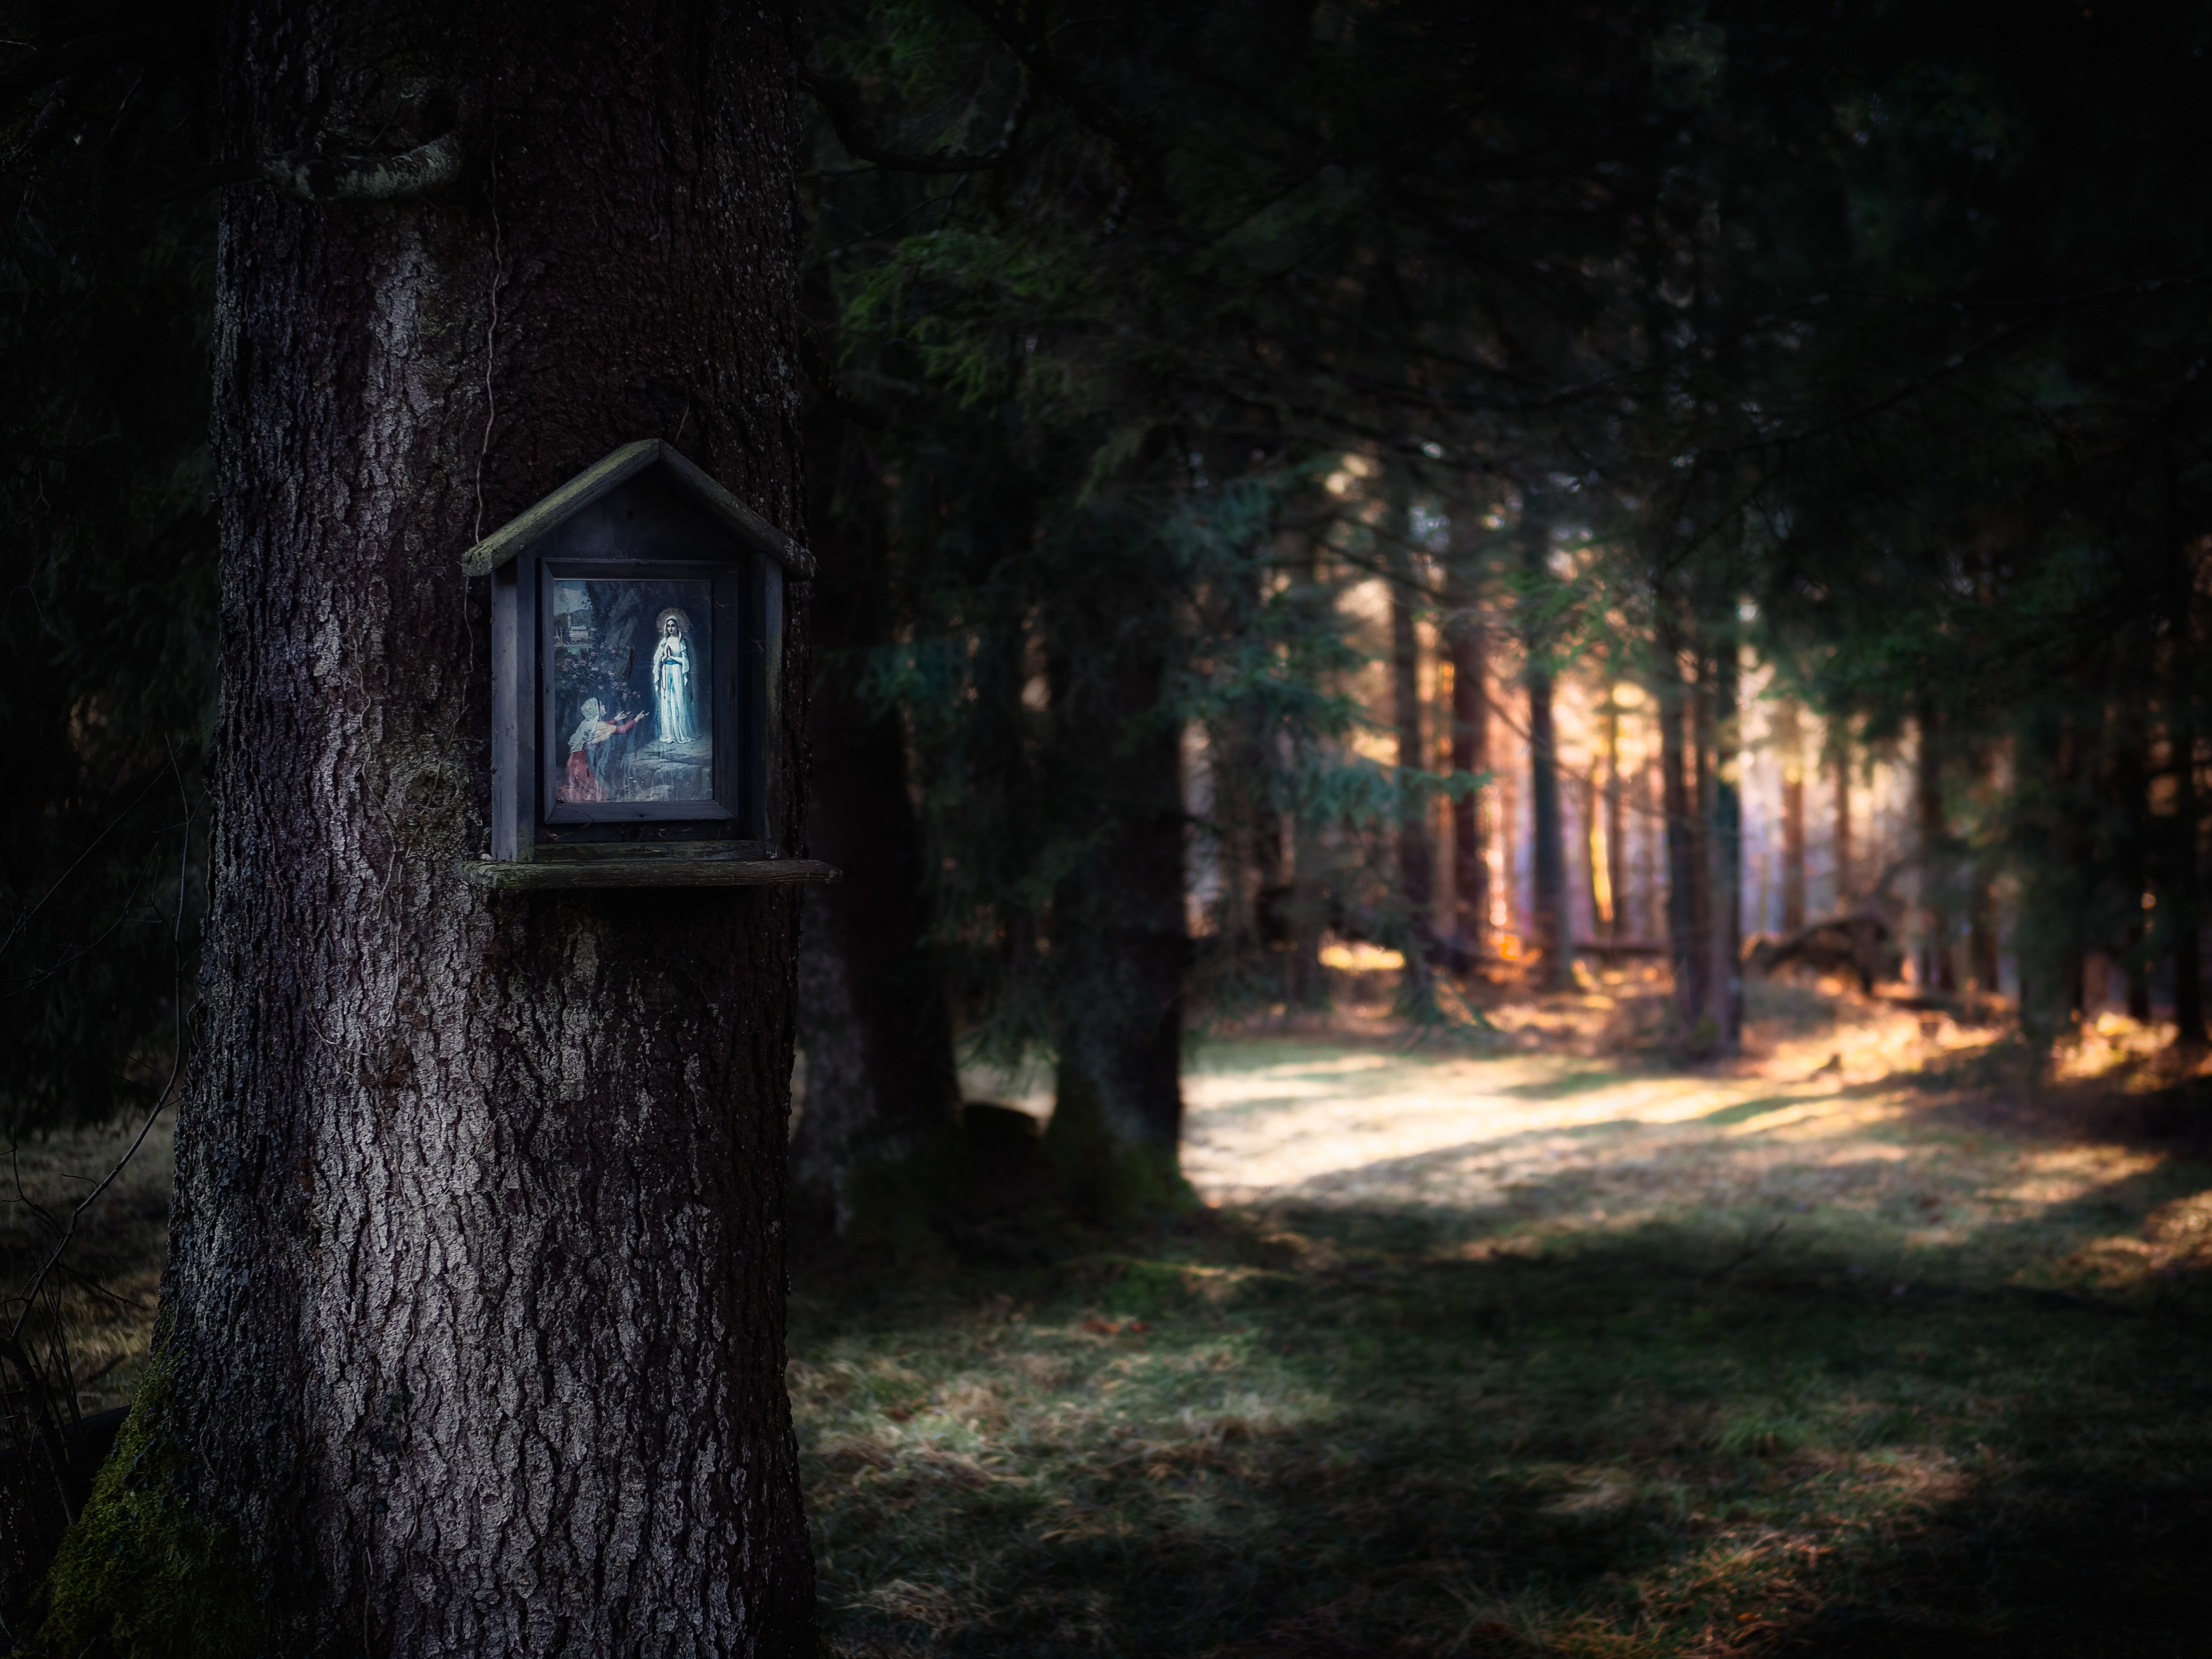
(875, 1143)
(1549, 853)
(472, 1336)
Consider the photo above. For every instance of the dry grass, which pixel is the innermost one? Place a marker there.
(107, 1285)
(1846, 1350)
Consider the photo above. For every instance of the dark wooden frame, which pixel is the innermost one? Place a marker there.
(645, 513)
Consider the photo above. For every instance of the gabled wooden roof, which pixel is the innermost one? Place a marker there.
(625, 463)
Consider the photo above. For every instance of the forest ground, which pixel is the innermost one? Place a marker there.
(1517, 1343)
(1521, 1345)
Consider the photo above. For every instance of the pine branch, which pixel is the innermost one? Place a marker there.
(857, 135)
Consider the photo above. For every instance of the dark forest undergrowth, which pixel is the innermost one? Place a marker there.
(1854, 1349)
(1640, 1364)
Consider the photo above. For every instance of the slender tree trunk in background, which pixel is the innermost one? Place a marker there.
(1938, 960)
(2186, 906)
(1684, 850)
(1308, 915)
(1416, 858)
(1597, 875)
(1791, 742)
(1616, 846)
(1550, 919)
(1981, 910)
(1650, 819)
(1308, 898)
(1263, 842)
(1119, 946)
(1464, 638)
(1725, 848)
(472, 1333)
(1839, 744)
(1508, 847)
(1247, 830)
(882, 1091)
(2136, 827)
(2079, 788)
(1702, 803)
(2060, 794)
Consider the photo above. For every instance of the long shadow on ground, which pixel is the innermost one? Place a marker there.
(1337, 1431)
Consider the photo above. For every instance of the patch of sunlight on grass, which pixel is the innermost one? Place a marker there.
(1466, 1364)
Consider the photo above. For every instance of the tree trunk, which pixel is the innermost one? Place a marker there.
(2185, 909)
(1597, 875)
(1684, 851)
(1939, 963)
(2055, 800)
(1725, 848)
(1509, 850)
(1702, 807)
(1839, 742)
(1416, 859)
(1789, 731)
(1465, 638)
(1651, 820)
(1308, 897)
(473, 1324)
(1550, 919)
(874, 1148)
(1616, 846)
(2133, 822)
(1119, 942)
(1982, 931)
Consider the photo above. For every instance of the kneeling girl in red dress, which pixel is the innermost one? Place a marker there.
(587, 747)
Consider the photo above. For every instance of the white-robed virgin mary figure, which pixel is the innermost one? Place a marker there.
(673, 719)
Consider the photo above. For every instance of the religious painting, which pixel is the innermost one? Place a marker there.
(633, 715)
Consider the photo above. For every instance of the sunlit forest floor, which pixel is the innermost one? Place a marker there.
(1519, 1344)
(1860, 1347)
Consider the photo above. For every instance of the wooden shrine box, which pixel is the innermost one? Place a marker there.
(636, 650)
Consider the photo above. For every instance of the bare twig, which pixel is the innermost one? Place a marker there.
(841, 104)
(11, 1346)
(1756, 1247)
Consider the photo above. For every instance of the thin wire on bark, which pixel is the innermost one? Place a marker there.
(491, 333)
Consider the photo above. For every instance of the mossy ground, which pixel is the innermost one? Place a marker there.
(1538, 1352)
(141, 1576)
